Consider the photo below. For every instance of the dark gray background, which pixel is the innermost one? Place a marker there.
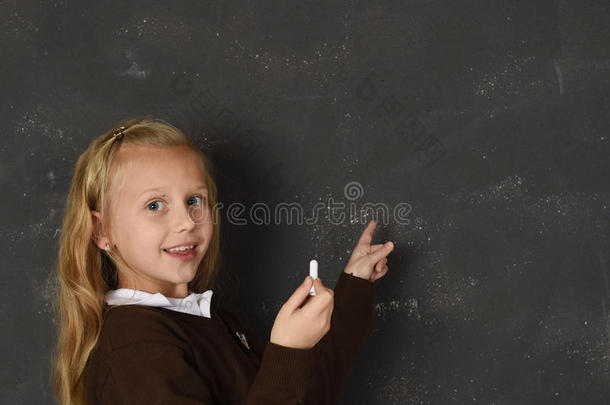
(498, 288)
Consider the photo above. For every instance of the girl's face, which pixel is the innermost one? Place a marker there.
(161, 203)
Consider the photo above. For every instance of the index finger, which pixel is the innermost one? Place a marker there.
(367, 234)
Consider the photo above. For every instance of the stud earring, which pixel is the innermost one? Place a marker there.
(107, 246)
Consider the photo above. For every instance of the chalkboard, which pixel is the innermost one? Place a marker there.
(479, 127)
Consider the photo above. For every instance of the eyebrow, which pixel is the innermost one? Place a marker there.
(159, 189)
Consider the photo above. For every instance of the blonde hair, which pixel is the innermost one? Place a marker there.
(85, 272)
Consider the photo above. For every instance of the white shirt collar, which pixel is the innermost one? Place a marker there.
(194, 303)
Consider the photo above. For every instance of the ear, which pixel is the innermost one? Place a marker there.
(98, 237)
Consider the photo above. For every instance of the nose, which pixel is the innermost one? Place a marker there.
(186, 217)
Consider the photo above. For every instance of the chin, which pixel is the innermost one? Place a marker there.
(186, 275)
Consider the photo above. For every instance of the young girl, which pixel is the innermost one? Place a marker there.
(138, 256)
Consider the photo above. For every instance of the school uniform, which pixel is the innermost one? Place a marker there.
(159, 350)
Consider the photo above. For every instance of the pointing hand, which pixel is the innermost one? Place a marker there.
(369, 261)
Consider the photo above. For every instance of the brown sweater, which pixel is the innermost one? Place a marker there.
(154, 355)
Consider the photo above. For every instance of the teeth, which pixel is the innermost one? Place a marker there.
(181, 248)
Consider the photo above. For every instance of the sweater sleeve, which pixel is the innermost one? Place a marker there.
(283, 376)
(315, 376)
(351, 324)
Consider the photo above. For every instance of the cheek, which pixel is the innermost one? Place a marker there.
(207, 232)
(123, 231)
(143, 233)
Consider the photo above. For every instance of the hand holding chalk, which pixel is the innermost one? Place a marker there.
(313, 272)
(304, 319)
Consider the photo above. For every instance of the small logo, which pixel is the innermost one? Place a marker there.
(242, 337)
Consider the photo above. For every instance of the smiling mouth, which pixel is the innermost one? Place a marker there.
(182, 251)
(185, 256)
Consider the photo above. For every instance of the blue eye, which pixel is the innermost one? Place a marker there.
(204, 201)
(154, 202)
(196, 196)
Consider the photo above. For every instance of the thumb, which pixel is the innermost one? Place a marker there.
(299, 295)
(381, 253)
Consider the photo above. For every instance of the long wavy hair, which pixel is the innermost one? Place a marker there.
(85, 272)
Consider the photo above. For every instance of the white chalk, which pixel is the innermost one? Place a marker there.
(313, 272)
